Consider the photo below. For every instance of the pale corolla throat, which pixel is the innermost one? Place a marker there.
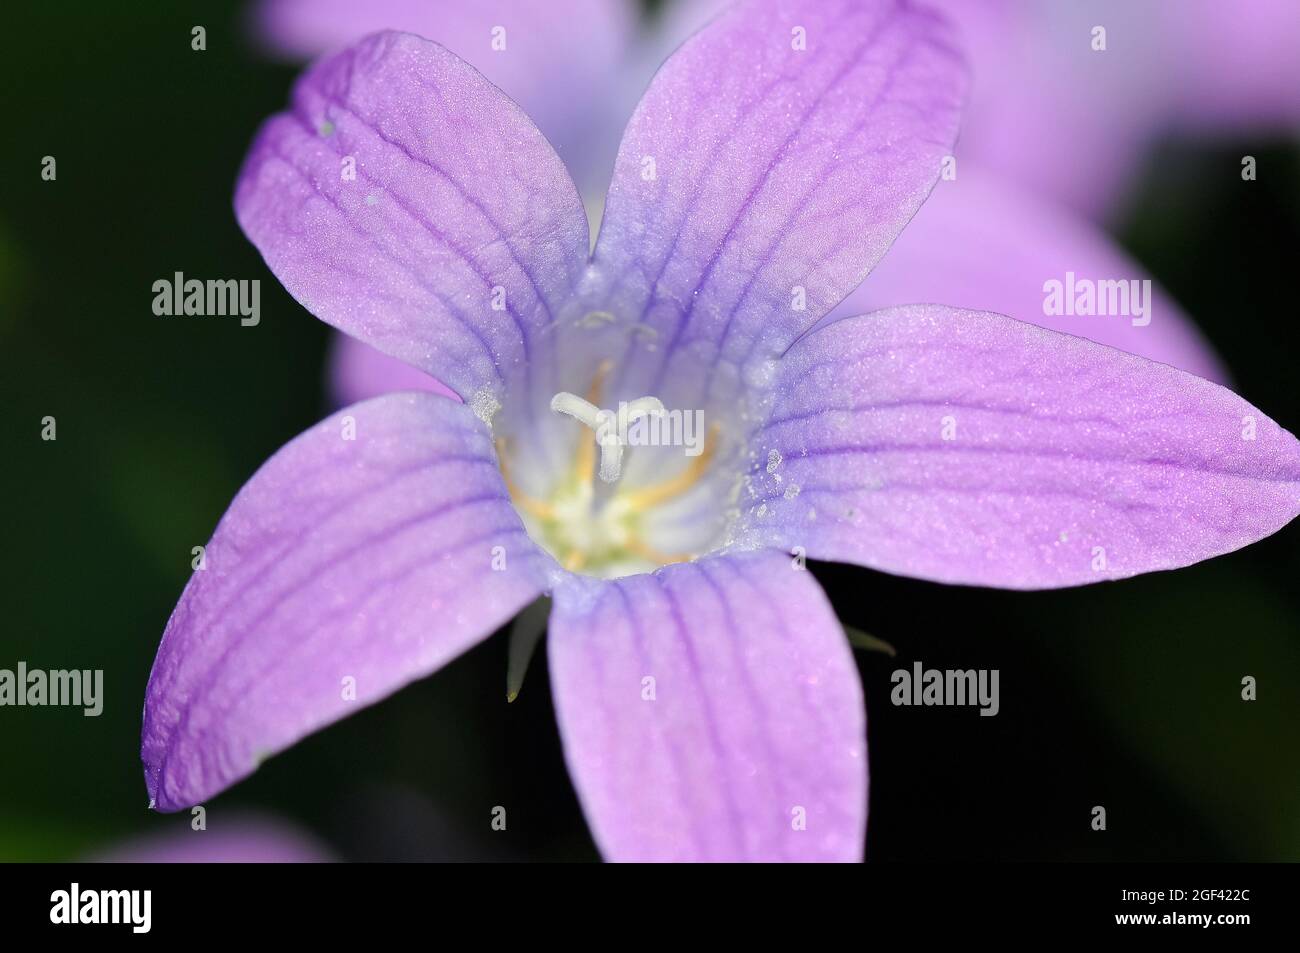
(588, 518)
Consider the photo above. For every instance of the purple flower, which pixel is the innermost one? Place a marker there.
(706, 696)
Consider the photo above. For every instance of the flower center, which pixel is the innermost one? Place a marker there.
(589, 519)
(611, 428)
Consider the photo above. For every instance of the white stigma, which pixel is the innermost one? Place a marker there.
(609, 426)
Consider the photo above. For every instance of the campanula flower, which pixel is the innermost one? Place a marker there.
(653, 434)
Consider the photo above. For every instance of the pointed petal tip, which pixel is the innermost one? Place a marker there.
(354, 562)
(1011, 456)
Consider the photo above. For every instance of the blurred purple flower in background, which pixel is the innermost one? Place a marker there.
(1074, 113)
(706, 697)
(1049, 113)
(239, 839)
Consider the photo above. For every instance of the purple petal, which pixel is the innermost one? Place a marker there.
(367, 559)
(458, 204)
(708, 709)
(358, 372)
(780, 175)
(555, 58)
(983, 244)
(970, 448)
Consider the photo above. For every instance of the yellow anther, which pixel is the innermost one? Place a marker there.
(650, 554)
(598, 382)
(530, 505)
(652, 496)
(584, 463)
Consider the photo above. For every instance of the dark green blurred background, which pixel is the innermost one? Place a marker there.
(1123, 695)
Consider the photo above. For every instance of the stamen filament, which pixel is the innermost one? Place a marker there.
(530, 505)
(650, 554)
(651, 496)
(585, 460)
